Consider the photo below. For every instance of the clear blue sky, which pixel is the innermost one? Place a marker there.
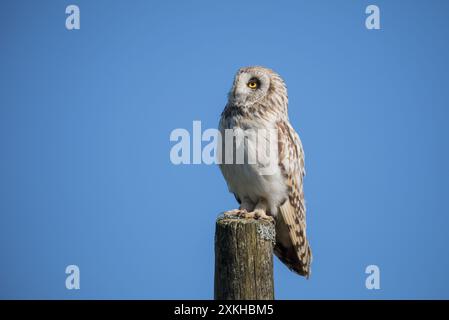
(86, 115)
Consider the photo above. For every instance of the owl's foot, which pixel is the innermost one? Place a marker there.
(257, 214)
(262, 215)
(236, 213)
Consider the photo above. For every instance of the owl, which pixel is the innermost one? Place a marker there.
(258, 101)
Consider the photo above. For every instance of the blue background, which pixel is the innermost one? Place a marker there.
(86, 115)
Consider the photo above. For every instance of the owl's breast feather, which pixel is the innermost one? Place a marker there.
(250, 179)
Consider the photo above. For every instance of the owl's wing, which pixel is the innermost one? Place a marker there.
(292, 247)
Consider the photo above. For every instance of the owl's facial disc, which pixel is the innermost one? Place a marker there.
(249, 87)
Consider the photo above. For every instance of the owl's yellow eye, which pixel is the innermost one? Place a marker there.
(253, 84)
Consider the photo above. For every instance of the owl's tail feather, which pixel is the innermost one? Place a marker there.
(292, 247)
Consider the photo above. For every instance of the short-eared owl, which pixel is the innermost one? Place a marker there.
(258, 100)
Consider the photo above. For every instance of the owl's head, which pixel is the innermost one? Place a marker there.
(256, 84)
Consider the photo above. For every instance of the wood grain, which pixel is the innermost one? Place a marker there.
(243, 259)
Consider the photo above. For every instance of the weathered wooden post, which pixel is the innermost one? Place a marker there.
(244, 259)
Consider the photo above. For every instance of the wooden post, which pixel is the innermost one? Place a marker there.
(244, 259)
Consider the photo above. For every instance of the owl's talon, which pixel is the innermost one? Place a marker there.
(260, 214)
(236, 213)
(267, 218)
(244, 214)
(248, 215)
